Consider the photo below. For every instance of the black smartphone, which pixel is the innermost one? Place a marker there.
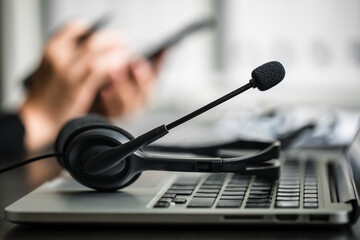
(153, 53)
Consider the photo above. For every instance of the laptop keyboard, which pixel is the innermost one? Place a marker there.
(296, 187)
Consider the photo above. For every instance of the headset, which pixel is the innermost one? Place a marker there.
(82, 140)
(107, 158)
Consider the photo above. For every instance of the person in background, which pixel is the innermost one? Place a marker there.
(100, 75)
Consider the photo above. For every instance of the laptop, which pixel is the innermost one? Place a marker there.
(316, 186)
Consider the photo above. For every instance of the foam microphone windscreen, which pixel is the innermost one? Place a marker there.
(267, 75)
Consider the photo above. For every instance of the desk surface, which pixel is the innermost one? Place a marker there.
(13, 186)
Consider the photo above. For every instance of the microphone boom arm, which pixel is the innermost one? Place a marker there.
(209, 106)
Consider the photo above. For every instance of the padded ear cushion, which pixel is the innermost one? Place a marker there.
(75, 125)
(83, 137)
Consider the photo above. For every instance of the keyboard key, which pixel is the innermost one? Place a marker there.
(213, 182)
(310, 184)
(257, 196)
(229, 203)
(311, 205)
(308, 195)
(252, 200)
(180, 200)
(226, 193)
(182, 187)
(208, 190)
(310, 191)
(180, 192)
(231, 197)
(291, 186)
(236, 185)
(292, 180)
(294, 174)
(165, 200)
(287, 204)
(169, 195)
(310, 179)
(257, 205)
(201, 202)
(262, 184)
(239, 180)
(266, 188)
(206, 195)
(280, 198)
(162, 205)
(187, 181)
(311, 200)
(256, 192)
(211, 187)
(235, 189)
(284, 190)
(288, 194)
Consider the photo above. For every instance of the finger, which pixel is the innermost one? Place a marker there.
(118, 99)
(105, 48)
(60, 49)
(105, 39)
(159, 61)
(122, 96)
(72, 30)
(143, 75)
(128, 92)
(137, 78)
(94, 71)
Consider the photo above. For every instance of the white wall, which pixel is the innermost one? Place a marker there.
(21, 47)
(317, 41)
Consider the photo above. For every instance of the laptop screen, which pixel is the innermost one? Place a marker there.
(354, 159)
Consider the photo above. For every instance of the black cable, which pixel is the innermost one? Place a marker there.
(30, 161)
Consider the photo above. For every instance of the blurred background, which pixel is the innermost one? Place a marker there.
(318, 42)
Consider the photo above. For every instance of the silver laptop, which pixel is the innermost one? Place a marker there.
(315, 187)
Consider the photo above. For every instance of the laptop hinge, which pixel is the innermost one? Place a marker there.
(344, 187)
(354, 215)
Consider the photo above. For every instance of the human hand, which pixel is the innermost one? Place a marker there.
(127, 89)
(68, 79)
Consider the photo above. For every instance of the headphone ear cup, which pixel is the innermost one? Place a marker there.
(72, 128)
(82, 138)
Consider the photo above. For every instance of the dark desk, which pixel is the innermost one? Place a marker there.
(13, 186)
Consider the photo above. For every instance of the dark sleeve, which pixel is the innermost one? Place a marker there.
(12, 133)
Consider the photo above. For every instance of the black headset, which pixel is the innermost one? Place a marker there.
(106, 158)
(84, 139)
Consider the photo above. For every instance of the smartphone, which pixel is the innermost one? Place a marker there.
(153, 53)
